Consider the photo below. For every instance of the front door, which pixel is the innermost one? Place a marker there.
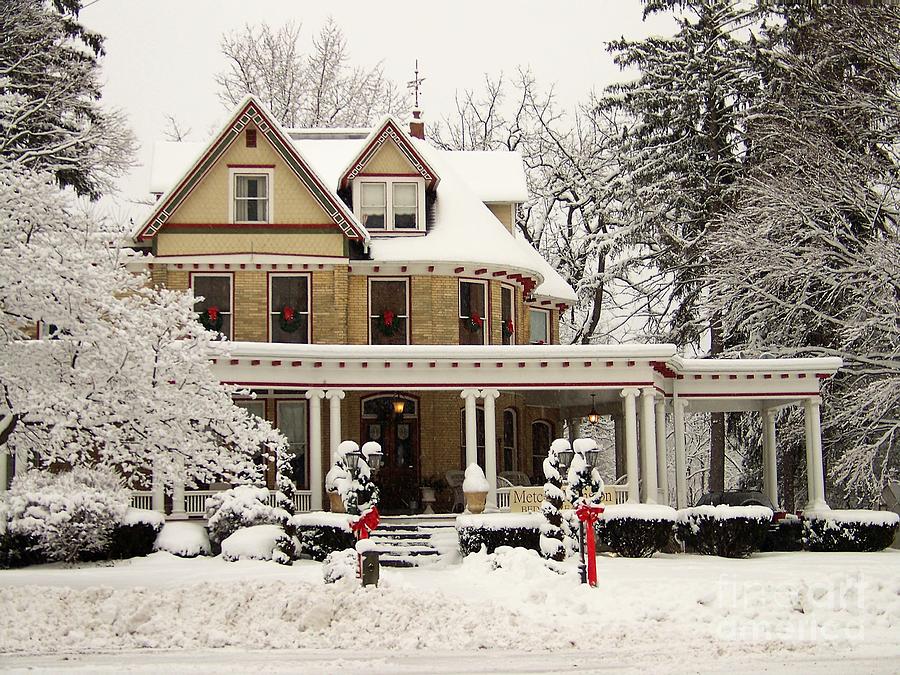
(398, 434)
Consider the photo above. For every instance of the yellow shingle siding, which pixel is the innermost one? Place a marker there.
(503, 211)
(388, 159)
(216, 241)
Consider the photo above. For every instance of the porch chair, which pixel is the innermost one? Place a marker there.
(455, 480)
(516, 477)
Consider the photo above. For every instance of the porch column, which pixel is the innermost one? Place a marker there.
(678, 407)
(619, 435)
(178, 510)
(334, 397)
(158, 495)
(471, 437)
(770, 457)
(648, 445)
(631, 453)
(315, 396)
(662, 468)
(815, 473)
(490, 443)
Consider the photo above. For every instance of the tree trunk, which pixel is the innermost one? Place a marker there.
(716, 423)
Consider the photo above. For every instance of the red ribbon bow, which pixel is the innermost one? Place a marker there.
(366, 523)
(212, 313)
(288, 313)
(388, 318)
(477, 320)
(588, 514)
(509, 326)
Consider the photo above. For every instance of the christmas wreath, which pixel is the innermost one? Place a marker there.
(508, 328)
(474, 323)
(289, 319)
(211, 319)
(386, 323)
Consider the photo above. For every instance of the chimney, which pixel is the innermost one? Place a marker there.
(416, 125)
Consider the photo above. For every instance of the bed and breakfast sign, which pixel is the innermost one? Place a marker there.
(528, 499)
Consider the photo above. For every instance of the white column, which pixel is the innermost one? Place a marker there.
(662, 467)
(4, 468)
(178, 511)
(678, 408)
(334, 397)
(471, 438)
(158, 490)
(815, 470)
(315, 396)
(631, 453)
(770, 457)
(648, 445)
(490, 443)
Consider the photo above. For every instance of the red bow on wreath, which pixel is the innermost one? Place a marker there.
(388, 318)
(476, 320)
(288, 313)
(508, 327)
(212, 313)
(366, 523)
(588, 514)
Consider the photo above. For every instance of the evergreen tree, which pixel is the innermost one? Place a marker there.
(552, 533)
(50, 116)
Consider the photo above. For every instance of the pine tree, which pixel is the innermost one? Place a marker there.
(552, 532)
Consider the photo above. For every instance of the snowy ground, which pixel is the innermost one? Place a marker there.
(790, 612)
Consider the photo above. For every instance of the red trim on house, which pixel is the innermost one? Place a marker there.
(755, 394)
(255, 226)
(275, 363)
(480, 270)
(404, 139)
(499, 274)
(458, 270)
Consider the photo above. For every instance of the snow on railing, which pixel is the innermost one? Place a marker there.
(142, 500)
(195, 502)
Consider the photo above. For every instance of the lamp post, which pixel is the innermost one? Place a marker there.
(588, 457)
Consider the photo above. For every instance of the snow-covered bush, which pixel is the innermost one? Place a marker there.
(243, 506)
(260, 542)
(340, 565)
(727, 531)
(184, 539)
(849, 531)
(635, 530)
(784, 535)
(136, 534)
(552, 534)
(67, 516)
(321, 533)
(499, 529)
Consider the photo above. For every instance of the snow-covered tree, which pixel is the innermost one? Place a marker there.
(318, 88)
(50, 116)
(806, 264)
(552, 532)
(119, 374)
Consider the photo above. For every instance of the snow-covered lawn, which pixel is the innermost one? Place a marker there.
(779, 612)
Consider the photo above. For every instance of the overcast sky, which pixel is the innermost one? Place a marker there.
(162, 55)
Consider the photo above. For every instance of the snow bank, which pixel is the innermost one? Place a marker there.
(258, 542)
(725, 512)
(860, 516)
(639, 512)
(475, 480)
(339, 521)
(144, 517)
(501, 521)
(340, 565)
(186, 540)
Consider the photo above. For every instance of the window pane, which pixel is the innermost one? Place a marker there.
(256, 407)
(216, 292)
(540, 444)
(471, 299)
(387, 318)
(290, 292)
(251, 186)
(292, 423)
(372, 194)
(296, 331)
(538, 326)
(506, 313)
(405, 194)
(388, 295)
(404, 206)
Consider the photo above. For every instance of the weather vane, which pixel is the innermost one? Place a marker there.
(416, 83)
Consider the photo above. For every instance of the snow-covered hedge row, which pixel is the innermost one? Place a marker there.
(321, 533)
(260, 542)
(727, 531)
(243, 506)
(849, 531)
(184, 539)
(493, 530)
(635, 530)
(136, 534)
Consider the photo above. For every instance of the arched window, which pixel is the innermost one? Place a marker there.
(510, 455)
(541, 435)
(479, 435)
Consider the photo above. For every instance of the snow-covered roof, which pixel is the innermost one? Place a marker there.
(463, 231)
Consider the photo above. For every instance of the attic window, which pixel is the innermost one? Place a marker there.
(251, 138)
(390, 205)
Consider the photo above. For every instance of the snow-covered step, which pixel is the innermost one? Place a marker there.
(409, 543)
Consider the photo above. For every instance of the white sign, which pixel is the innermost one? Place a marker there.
(529, 499)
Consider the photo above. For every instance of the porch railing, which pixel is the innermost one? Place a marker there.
(142, 499)
(195, 501)
(619, 493)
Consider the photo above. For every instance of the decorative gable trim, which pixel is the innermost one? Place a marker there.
(252, 112)
(390, 131)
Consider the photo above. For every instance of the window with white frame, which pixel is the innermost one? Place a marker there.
(510, 453)
(214, 310)
(388, 311)
(289, 308)
(473, 319)
(251, 196)
(291, 421)
(507, 315)
(390, 205)
(541, 435)
(538, 326)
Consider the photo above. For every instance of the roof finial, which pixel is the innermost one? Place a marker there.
(415, 83)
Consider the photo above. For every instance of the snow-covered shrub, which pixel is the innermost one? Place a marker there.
(340, 565)
(784, 535)
(136, 534)
(321, 533)
(727, 531)
(184, 539)
(68, 516)
(849, 531)
(17, 550)
(243, 506)
(499, 529)
(260, 542)
(635, 530)
(552, 534)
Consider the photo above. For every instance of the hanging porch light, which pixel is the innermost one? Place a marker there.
(593, 416)
(399, 404)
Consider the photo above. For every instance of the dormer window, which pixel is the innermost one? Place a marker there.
(390, 204)
(251, 195)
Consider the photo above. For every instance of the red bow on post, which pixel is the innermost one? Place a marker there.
(366, 523)
(588, 514)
